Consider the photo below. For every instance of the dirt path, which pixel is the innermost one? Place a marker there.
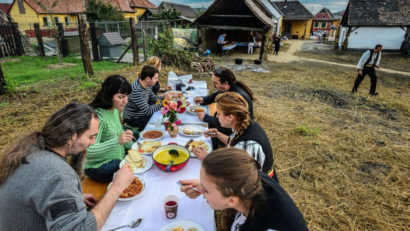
(297, 45)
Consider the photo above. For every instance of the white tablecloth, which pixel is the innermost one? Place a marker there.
(150, 207)
(160, 184)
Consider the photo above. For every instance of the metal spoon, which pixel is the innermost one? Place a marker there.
(132, 225)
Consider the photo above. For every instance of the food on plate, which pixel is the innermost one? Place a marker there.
(165, 158)
(154, 134)
(149, 145)
(177, 229)
(196, 144)
(133, 189)
(191, 131)
(135, 159)
(196, 108)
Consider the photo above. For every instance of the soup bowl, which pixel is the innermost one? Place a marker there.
(170, 163)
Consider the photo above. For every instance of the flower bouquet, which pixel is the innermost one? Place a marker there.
(169, 112)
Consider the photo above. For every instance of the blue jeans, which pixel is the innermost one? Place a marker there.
(104, 173)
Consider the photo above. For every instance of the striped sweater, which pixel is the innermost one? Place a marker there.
(141, 102)
(106, 147)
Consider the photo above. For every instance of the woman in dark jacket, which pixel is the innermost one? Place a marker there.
(230, 181)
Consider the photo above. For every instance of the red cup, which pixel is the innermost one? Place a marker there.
(171, 206)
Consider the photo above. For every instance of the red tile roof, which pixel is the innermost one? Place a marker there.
(142, 4)
(5, 7)
(71, 6)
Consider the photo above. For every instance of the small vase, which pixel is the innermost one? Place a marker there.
(173, 132)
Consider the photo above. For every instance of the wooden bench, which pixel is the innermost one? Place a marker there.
(93, 187)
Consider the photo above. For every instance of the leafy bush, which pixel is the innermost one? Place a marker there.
(163, 47)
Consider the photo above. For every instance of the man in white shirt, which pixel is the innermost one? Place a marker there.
(369, 60)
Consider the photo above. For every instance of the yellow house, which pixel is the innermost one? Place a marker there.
(45, 12)
(141, 7)
(297, 20)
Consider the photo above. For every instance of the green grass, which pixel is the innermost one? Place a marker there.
(34, 69)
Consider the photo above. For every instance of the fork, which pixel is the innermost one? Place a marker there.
(133, 224)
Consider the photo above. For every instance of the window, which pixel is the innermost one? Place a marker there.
(56, 20)
(323, 25)
(21, 7)
(45, 22)
(67, 21)
(316, 25)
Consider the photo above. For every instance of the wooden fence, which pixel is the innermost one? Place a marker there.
(10, 40)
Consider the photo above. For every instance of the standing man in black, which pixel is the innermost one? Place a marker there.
(276, 41)
(369, 60)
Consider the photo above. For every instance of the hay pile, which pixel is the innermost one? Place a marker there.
(343, 159)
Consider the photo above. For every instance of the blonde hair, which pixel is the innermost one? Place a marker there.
(154, 61)
(232, 103)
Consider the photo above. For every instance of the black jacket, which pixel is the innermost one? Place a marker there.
(213, 122)
(255, 132)
(279, 212)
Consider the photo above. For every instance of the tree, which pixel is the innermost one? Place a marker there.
(167, 14)
(97, 10)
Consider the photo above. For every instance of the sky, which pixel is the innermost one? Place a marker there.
(312, 5)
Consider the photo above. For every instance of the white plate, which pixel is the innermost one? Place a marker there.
(144, 186)
(189, 108)
(142, 134)
(135, 147)
(192, 127)
(147, 166)
(183, 224)
(209, 150)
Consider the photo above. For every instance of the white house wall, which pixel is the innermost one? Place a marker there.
(368, 37)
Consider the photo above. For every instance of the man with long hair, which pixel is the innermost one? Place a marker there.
(40, 191)
(224, 80)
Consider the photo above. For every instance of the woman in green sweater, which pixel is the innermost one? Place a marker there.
(103, 157)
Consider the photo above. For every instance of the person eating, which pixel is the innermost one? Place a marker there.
(232, 112)
(230, 180)
(224, 80)
(104, 156)
(142, 102)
